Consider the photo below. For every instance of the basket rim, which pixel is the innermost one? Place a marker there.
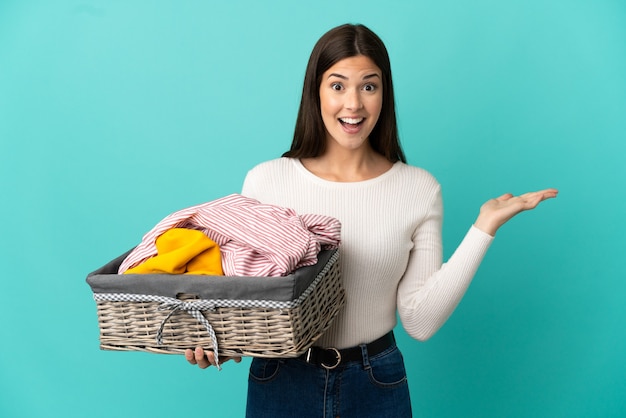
(284, 288)
(211, 304)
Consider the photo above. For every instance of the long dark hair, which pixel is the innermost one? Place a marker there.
(309, 139)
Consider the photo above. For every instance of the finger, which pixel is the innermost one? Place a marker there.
(543, 194)
(189, 356)
(225, 359)
(550, 193)
(531, 200)
(505, 197)
(211, 358)
(201, 359)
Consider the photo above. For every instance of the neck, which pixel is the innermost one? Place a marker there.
(348, 165)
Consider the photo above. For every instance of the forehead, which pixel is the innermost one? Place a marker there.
(359, 65)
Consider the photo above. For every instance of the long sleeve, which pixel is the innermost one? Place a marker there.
(391, 250)
(429, 291)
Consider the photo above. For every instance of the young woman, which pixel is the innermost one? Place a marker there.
(345, 161)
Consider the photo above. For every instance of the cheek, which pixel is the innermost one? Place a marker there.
(329, 104)
(377, 107)
(328, 115)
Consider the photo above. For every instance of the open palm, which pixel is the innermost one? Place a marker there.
(496, 212)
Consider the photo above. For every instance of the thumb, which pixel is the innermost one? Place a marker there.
(505, 197)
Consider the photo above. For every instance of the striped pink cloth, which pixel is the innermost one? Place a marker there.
(255, 239)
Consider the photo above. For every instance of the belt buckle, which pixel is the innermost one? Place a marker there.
(337, 355)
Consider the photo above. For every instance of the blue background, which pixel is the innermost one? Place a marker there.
(114, 114)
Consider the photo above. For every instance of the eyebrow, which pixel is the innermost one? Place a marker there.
(367, 77)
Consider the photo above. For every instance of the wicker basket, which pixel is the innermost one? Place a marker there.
(233, 316)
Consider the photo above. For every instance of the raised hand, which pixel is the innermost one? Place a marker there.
(496, 212)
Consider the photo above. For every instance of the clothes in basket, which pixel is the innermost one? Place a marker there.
(255, 239)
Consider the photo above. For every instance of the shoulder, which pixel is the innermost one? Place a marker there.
(416, 176)
(420, 190)
(278, 165)
(264, 176)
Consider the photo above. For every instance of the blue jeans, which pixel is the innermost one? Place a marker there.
(375, 387)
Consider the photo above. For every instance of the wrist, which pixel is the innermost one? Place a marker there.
(486, 225)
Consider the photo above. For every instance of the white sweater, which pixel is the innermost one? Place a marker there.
(391, 250)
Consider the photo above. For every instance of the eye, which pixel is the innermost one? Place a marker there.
(370, 87)
(336, 86)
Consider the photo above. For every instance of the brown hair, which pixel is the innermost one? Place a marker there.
(309, 139)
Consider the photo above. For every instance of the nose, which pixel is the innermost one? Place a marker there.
(353, 100)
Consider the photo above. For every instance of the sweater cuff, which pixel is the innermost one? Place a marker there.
(478, 232)
(478, 240)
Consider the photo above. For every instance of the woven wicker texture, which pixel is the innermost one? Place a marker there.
(256, 332)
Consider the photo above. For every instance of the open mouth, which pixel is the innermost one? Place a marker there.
(351, 122)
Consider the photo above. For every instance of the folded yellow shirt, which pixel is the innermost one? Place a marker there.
(183, 251)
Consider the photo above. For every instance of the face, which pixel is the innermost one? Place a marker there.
(351, 98)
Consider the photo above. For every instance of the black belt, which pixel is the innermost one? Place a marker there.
(329, 358)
